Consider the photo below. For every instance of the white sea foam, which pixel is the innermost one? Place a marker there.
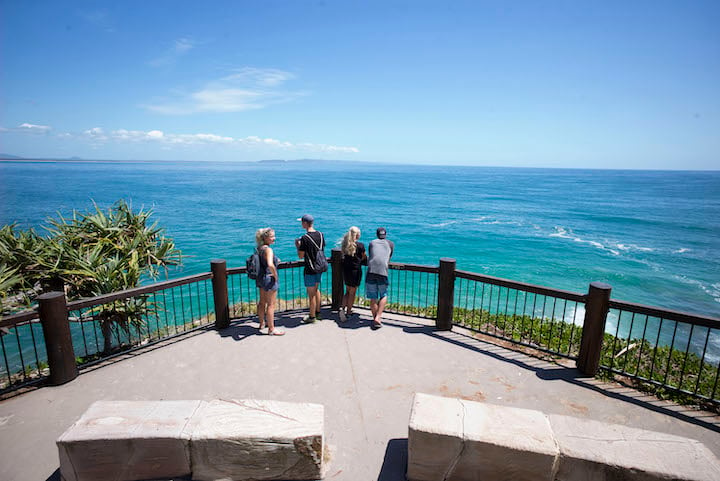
(444, 224)
(568, 234)
(681, 250)
(712, 290)
(633, 247)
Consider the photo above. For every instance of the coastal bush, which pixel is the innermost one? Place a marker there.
(85, 255)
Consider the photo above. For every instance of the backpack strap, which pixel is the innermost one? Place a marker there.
(322, 241)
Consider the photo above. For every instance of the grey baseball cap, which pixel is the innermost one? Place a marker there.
(306, 218)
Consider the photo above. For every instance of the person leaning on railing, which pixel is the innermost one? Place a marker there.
(354, 258)
(376, 283)
(308, 246)
(267, 281)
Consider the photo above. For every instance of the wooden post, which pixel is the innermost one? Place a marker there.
(58, 340)
(446, 294)
(596, 310)
(218, 267)
(338, 287)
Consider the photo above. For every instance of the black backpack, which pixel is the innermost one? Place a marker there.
(253, 265)
(319, 264)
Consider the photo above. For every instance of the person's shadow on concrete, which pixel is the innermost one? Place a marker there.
(395, 462)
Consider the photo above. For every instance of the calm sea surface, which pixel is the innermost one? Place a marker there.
(653, 236)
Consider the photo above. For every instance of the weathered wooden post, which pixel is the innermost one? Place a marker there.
(58, 340)
(446, 294)
(218, 267)
(337, 278)
(596, 310)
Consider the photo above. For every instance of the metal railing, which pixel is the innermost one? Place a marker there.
(662, 349)
(243, 295)
(534, 316)
(667, 349)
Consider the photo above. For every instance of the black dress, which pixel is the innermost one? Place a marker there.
(352, 266)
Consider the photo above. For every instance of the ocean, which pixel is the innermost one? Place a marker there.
(654, 236)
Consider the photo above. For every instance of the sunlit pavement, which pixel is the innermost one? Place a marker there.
(365, 379)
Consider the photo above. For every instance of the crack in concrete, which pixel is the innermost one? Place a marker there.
(256, 408)
(355, 386)
(455, 461)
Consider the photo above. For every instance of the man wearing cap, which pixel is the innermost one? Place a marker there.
(308, 247)
(376, 283)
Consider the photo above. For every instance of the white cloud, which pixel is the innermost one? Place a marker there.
(32, 128)
(98, 135)
(179, 48)
(245, 89)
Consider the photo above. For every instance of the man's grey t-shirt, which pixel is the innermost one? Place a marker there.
(379, 253)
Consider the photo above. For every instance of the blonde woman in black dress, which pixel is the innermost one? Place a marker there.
(354, 258)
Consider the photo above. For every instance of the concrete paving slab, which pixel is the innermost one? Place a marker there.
(365, 379)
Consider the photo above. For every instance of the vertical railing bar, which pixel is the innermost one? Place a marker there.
(174, 303)
(82, 331)
(37, 357)
(95, 328)
(166, 310)
(615, 339)
(474, 309)
(507, 305)
(514, 318)
(562, 328)
(532, 319)
(497, 311)
(207, 300)
(22, 358)
(687, 352)
(715, 385)
(642, 345)
(572, 328)
(552, 324)
(627, 348)
(199, 302)
(542, 320)
(522, 318)
(157, 315)
(672, 346)
(192, 316)
(655, 349)
(702, 361)
(182, 309)
(7, 363)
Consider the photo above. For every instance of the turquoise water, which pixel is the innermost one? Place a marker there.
(653, 236)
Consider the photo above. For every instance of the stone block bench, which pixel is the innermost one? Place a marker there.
(457, 440)
(204, 440)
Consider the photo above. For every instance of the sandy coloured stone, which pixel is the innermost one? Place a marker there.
(596, 451)
(258, 440)
(128, 440)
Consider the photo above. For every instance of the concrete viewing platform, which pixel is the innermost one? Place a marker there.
(365, 380)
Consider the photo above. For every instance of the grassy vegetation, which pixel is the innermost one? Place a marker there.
(639, 362)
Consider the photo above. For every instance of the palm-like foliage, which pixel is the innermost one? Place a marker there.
(90, 254)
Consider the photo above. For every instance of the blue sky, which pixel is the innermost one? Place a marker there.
(596, 84)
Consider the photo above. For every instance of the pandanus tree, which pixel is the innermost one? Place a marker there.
(89, 254)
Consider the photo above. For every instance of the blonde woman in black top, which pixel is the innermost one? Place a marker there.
(267, 281)
(353, 258)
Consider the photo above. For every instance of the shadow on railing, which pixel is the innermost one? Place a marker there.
(659, 350)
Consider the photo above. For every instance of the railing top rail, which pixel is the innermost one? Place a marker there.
(668, 314)
(18, 318)
(282, 265)
(542, 290)
(136, 291)
(401, 266)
